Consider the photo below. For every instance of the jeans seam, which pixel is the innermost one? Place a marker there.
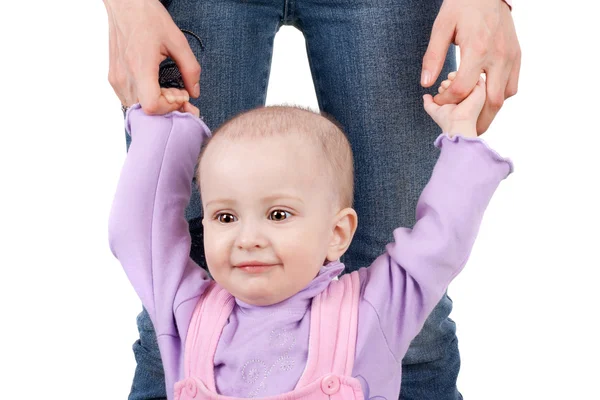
(288, 11)
(267, 69)
(316, 76)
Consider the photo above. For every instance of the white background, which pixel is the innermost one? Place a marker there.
(526, 306)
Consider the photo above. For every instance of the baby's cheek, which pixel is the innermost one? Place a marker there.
(215, 248)
(306, 249)
(297, 244)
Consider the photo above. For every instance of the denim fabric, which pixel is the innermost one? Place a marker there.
(365, 57)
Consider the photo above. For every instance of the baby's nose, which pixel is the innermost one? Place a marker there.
(251, 237)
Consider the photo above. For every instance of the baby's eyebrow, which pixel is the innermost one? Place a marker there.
(281, 196)
(273, 198)
(221, 202)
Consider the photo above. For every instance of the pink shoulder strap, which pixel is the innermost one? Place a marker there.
(333, 328)
(209, 318)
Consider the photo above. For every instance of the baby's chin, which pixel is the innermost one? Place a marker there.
(261, 298)
(261, 289)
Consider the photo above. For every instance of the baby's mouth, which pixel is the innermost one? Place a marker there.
(255, 267)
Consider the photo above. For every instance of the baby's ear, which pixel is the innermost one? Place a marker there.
(344, 226)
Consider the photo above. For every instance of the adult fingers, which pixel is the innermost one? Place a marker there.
(148, 90)
(513, 78)
(117, 76)
(496, 82)
(180, 51)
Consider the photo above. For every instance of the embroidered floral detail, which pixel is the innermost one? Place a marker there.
(256, 371)
(259, 389)
(279, 338)
(286, 363)
(252, 371)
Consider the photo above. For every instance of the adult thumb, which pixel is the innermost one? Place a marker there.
(433, 60)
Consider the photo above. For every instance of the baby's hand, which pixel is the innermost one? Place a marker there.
(458, 118)
(180, 97)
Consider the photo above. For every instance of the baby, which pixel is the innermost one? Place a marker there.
(277, 186)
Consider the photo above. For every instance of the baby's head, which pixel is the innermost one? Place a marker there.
(276, 186)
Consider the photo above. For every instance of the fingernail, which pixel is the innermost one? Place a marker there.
(170, 98)
(196, 90)
(426, 77)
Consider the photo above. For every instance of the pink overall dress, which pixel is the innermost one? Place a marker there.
(332, 343)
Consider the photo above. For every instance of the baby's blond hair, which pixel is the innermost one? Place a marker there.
(321, 130)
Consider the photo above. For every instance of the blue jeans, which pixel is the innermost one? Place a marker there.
(365, 59)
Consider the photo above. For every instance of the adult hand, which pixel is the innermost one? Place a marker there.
(141, 35)
(485, 32)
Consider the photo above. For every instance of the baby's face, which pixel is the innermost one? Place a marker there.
(268, 215)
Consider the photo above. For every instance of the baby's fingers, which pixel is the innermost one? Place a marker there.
(430, 106)
(473, 104)
(174, 95)
(181, 97)
(443, 86)
(190, 108)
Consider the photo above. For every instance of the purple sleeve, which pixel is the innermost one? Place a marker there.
(148, 231)
(404, 285)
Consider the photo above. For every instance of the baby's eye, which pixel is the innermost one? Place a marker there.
(226, 218)
(279, 215)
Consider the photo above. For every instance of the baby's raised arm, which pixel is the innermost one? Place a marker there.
(148, 231)
(405, 284)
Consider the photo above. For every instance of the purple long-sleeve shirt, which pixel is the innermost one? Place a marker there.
(263, 350)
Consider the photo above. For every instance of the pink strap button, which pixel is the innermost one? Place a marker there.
(190, 387)
(330, 385)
